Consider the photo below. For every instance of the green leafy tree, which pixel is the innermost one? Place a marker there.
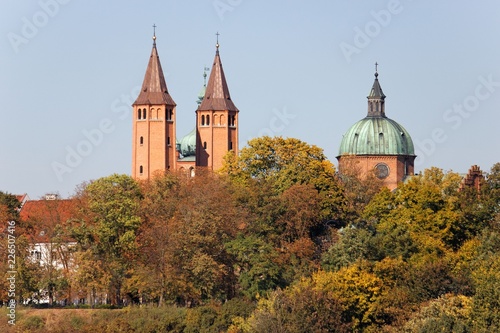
(111, 207)
(353, 244)
(482, 262)
(9, 207)
(28, 280)
(256, 264)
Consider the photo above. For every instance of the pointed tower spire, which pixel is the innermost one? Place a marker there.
(153, 124)
(217, 93)
(216, 120)
(154, 88)
(376, 98)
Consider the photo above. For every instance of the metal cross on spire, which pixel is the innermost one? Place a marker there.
(154, 33)
(376, 69)
(217, 45)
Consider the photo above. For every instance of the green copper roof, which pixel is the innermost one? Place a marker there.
(376, 136)
(188, 144)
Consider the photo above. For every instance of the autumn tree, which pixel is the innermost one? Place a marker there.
(448, 313)
(302, 308)
(155, 273)
(110, 209)
(188, 223)
(283, 162)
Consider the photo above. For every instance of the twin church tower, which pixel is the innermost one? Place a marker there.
(154, 144)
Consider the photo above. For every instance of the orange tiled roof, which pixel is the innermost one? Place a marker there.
(40, 217)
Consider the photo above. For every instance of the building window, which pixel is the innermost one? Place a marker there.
(143, 113)
(170, 114)
(168, 140)
(231, 145)
(205, 145)
(140, 170)
(208, 120)
(139, 114)
(202, 120)
(141, 140)
(382, 171)
(37, 255)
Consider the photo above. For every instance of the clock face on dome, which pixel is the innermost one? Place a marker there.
(381, 170)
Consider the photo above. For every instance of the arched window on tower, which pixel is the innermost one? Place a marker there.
(208, 120)
(139, 114)
(204, 145)
(140, 170)
(141, 140)
(202, 120)
(170, 114)
(143, 113)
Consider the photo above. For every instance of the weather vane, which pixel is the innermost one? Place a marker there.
(217, 45)
(154, 33)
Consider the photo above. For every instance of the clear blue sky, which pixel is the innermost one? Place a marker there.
(295, 68)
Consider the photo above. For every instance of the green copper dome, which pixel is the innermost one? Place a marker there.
(187, 145)
(376, 136)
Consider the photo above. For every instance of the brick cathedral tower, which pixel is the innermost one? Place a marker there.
(153, 128)
(216, 120)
